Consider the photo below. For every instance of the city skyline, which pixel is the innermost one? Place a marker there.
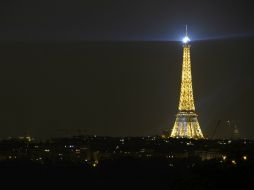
(119, 93)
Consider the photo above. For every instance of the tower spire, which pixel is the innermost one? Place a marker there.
(186, 39)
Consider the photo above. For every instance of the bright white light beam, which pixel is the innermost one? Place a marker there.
(186, 39)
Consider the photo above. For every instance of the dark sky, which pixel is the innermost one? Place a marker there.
(123, 19)
(113, 67)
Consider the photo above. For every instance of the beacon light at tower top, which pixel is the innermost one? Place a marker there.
(186, 39)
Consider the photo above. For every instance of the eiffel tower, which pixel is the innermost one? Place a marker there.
(186, 124)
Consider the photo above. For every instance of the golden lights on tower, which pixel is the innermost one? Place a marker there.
(186, 124)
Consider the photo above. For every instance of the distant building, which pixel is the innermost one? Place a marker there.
(208, 155)
(236, 133)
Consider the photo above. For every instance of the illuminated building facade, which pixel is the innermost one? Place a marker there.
(186, 124)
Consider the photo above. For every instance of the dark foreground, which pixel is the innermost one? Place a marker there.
(127, 173)
(132, 163)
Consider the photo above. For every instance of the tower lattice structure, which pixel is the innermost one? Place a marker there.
(186, 124)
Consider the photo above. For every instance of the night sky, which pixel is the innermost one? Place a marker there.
(113, 67)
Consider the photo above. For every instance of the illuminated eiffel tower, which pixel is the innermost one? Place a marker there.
(186, 124)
